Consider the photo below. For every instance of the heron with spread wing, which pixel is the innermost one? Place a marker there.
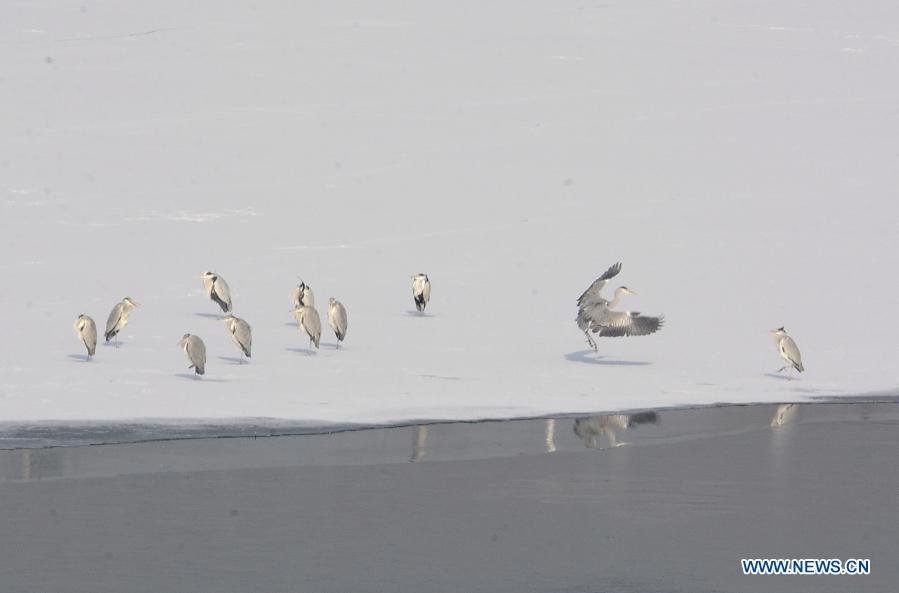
(596, 314)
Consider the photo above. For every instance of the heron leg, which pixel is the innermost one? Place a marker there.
(591, 341)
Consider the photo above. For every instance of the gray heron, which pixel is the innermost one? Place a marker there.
(421, 291)
(217, 289)
(195, 349)
(118, 318)
(310, 322)
(596, 314)
(337, 319)
(302, 295)
(87, 331)
(241, 334)
(788, 350)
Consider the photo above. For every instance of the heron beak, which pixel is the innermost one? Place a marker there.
(631, 291)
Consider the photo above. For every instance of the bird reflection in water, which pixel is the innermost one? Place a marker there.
(785, 414)
(418, 445)
(591, 429)
(549, 435)
(39, 464)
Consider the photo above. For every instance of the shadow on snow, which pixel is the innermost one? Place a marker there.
(584, 356)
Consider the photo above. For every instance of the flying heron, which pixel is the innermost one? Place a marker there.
(595, 313)
(195, 349)
(421, 291)
(337, 319)
(241, 334)
(302, 295)
(118, 318)
(310, 322)
(788, 350)
(87, 331)
(217, 289)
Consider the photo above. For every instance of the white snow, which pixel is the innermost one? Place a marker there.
(736, 157)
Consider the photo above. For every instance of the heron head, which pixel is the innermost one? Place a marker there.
(779, 330)
(228, 317)
(130, 302)
(208, 275)
(331, 301)
(626, 290)
(183, 340)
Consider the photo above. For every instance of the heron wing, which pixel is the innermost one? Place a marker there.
(223, 292)
(114, 316)
(590, 313)
(337, 318)
(89, 334)
(243, 333)
(426, 290)
(312, 323)
(592, 293)
(623, 323)
(791, 350)
(196, 351)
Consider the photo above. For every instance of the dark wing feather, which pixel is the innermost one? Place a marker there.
(633, 325)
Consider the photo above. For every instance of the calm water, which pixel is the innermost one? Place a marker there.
(654, 501)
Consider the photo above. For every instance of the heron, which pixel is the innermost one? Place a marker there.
(788, 350)
(118, 318)
(195, 349)
(421, 291)
(337, 319)
(241, 334)
(595, 313)
(310, 322)
(217, 289)
(302, 295)
(87, 331)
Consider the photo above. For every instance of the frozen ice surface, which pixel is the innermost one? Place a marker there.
(739, 159)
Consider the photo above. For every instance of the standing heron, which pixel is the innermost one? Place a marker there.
(310, 322)
(421, 291)
(595, 313)
(337, 319)
(302, 295)
(87, 331)
(241, 334)
(195, 349)
(118, 318)
(788, 350)
(217, 289)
